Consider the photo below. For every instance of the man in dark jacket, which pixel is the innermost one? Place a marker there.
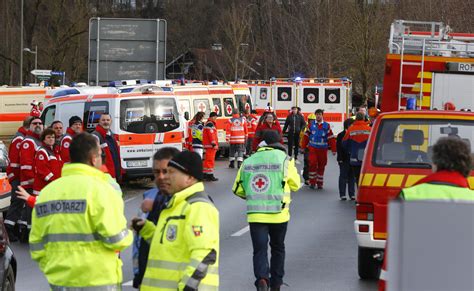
(346, 175)
(294, 123)
(109, 145)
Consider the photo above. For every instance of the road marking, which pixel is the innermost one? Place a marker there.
(130, 199)
(129, 283)
(242, 231)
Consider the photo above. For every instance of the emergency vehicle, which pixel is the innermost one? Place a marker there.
(418, 75)
(15, 106)
(142, 122)
(333, 95)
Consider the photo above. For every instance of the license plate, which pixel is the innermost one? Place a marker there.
(137, 164)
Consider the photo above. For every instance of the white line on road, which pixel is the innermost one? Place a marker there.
(242, 231)
(130, 199)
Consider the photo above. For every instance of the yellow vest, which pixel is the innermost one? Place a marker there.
(184, 246)
(292, 183)
(78, 225)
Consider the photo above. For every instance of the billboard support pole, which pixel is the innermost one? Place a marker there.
(97, 53)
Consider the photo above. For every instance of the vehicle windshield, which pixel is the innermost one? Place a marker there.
(408, 143)
(148, 115)
(243, 102)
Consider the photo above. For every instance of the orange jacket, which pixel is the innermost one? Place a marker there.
(252, 122)
(236, 130)
(209, 136)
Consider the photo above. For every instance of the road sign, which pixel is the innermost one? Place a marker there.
(57, 73)
(41, 72)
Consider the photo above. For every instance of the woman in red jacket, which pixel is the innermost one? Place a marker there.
(48, 163)
(269, 122)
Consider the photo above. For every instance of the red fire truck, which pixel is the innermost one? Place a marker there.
(426, 69)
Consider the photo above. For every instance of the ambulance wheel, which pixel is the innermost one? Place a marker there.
(368, 267)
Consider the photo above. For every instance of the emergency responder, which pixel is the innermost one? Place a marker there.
(48, 164)
(35, 110)
(346, 175)
(269, 124)
(58, 128)
(267, 192)
(13, 173)
(196, 133)
(452, 164)
(109, 146)
(236, 134)
(184, 248)
(355, 141)
(80, 215)
(211, 145)
(311, 118)
(294, 123)
(28, 149)
(154, 202)
(75, 127)
(252, 122)
(318, 138)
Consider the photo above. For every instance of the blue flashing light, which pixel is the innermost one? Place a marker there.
(214, 82)
(298, 79)
(273, 79)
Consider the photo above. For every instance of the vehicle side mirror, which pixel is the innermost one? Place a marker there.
(186, 115)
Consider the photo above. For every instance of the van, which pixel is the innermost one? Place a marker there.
(142, 122)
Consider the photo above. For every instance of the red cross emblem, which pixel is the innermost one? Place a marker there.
(263, 95)
(332, 97)
(260, 183)
(311, 97)
(228, 108)
(284, 95)
(216, 109)
(202, 107)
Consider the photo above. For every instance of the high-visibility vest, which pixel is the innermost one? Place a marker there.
(427, 191)
(78, 225)
(236, 131)
(184, 248)
(318, 137)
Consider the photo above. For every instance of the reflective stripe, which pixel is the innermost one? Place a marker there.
(179, 266)
(14, 165)
(30, 181)
(36, 192)
(263, 208)
(49, 176)
(9, 222)
(262, 167)
(104, 145)
(275, 197)
(383, 275)
(357, 132)
(160, 283)
(26, 167)
(11, 175)
(77, 237)
(191, 282)
(92, 288)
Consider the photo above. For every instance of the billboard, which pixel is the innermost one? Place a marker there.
(126, 49)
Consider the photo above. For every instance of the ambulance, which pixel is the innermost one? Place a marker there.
(142, 122)
(422, 76)
(333, 95)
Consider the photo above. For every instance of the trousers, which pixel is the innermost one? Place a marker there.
(16, 206)
(346, 177)
(293, 144)
(318, 159)
(260, 232)
(236, 150)
(209, 161)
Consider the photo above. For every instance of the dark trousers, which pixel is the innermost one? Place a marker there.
(248, 146)
(16, 206)
(346, 177)
(260, 232)
(305, 166)
(293, 143)
(356, 171)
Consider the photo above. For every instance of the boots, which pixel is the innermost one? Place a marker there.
(231, 165)
(211, 178)
(262, 285)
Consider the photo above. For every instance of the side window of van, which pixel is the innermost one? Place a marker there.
(92, 113)
(228, 106)
(217, 106)
(49, 115)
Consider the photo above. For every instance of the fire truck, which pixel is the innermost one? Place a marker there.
(333, 95)
(428, 69)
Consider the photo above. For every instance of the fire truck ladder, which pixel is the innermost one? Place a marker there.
(402, 37)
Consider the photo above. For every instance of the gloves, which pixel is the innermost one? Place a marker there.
(137, 224)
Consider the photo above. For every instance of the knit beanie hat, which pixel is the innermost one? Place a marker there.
(271, 137)
(212, 114)
(189, 163)
(74, 119)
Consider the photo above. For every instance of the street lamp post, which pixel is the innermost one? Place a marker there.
(35, 52)
(21, 43)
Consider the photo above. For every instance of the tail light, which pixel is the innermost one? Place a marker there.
(365, 211)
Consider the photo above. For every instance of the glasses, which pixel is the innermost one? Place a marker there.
(37, 123)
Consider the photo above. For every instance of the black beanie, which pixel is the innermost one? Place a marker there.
(212, 114)
(271, 137)
(189, 163)
(74, 119)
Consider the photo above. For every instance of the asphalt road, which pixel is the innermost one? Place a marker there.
(321, 248)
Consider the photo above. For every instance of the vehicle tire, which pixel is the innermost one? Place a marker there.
(9, 280)
(368, 267)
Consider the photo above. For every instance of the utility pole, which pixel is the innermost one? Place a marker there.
(21, 43)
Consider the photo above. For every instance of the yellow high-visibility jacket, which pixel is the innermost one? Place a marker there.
(292, 183)
(184, 247)
(78, 225)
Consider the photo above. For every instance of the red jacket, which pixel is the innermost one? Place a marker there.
(13, 169)
(236, 130)
(112, 153)
(189, 138)
(28, 149)
(64, 145)
(48, 167)
(262, 127)
(252, 122)
(209, 136)
(35, 111)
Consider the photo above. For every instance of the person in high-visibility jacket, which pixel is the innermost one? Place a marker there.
(236, 134)
(184, 247)
(210, 143)
(452, 164)
(196, 133)
(265, 181)
(80, 215)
